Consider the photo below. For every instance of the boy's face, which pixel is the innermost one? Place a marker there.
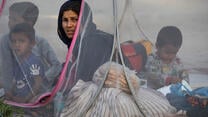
(167, 53)
(69, 22)
(21, 44)
(14, 19)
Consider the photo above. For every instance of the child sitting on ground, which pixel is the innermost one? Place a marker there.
(28, 73)
(163, 67)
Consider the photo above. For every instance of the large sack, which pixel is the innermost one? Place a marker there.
(115, 102)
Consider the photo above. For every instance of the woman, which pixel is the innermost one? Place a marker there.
(91, 54)
(96, 42)
(67, 20)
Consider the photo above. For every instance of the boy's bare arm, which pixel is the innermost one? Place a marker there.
(37, 85)
(36, 89)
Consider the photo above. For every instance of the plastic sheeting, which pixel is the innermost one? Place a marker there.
(108, 31)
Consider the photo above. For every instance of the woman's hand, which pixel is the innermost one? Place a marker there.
(117, 79)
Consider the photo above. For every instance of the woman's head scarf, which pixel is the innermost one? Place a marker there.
(73, 5)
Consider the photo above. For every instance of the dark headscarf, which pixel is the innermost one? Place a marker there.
(73, 5)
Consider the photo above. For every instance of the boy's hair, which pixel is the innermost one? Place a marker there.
(27, 10)
(25, 28)
(169, 35)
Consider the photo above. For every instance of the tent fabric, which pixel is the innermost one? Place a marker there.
(109, 40)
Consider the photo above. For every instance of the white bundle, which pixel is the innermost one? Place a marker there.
(114, 102)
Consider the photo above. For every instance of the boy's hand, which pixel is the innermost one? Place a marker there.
(172, 80)
(175, 80)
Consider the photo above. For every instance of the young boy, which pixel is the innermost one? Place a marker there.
(26, 12)
(163, 67)
(28, 74)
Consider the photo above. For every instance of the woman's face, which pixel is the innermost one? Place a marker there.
(167, 53)
(69, 22)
